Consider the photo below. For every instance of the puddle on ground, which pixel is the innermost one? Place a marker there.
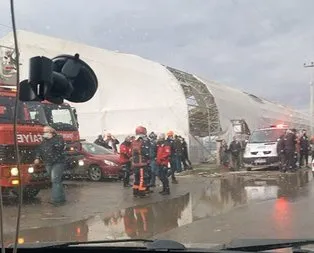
(145, 221)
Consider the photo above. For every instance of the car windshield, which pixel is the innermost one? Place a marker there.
(156, 119)
(267, 135)
(94, 149)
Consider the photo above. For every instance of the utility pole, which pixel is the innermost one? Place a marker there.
(311, 65)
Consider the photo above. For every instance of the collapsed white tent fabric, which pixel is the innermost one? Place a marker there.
(134, 91)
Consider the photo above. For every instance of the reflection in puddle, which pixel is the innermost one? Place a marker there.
(220, 196)
(145, 221)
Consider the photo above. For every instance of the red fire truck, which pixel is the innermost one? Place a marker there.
(29, 135)
(32, 116)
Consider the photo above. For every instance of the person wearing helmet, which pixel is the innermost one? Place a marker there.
(153, 154)
(170, 142)
(163, 159)
(140, 152)
(125, 156)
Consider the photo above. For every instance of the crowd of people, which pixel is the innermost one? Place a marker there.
(233, 151)
(293, 149)
(151, 156)
(148, 157)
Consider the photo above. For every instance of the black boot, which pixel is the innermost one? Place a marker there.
(148, 190)
(142, 194)
(163, 190)
(166, 192)
(135, 192)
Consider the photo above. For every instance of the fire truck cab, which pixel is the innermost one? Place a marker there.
(63, 120)
(261, 148)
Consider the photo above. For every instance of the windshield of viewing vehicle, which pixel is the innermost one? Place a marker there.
(268, 135)
(143, 120)
(94, 149)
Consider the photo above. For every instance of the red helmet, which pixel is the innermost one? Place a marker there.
(140, 130)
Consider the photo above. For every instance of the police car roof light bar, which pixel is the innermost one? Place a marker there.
(278, 126)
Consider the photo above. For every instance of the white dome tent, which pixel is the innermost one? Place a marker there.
(134, 91)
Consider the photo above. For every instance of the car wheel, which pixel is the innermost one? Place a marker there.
(249, 169)
(95, 173)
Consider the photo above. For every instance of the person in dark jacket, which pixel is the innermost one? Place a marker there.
(170, 142)
(223, 153)
(125, 160)
(304, 149)
(235, 149)
(52, 152)
(101, 142)
(185, 156)
(290, 149)
(112, 142)
(178, 149)
(163, 160)
(153, 155)
(281, 153)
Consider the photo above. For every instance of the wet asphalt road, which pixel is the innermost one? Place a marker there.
(201, 209)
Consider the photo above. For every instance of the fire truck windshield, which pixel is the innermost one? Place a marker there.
(60, 117)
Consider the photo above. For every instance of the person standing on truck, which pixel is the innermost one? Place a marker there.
(281, 153)
(52, 152)
(304, 149)
(290, 149)
(125, 160)
(235, 149)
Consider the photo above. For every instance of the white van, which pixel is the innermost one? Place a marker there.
(261, 148)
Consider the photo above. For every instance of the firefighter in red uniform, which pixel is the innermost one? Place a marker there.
(140, 152)
(125, 160)
(163, 160)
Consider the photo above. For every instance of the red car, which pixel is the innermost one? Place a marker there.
(100, 162)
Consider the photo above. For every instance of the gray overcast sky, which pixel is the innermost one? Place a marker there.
(255, 45)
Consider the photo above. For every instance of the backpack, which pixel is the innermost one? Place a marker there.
(138, 160)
